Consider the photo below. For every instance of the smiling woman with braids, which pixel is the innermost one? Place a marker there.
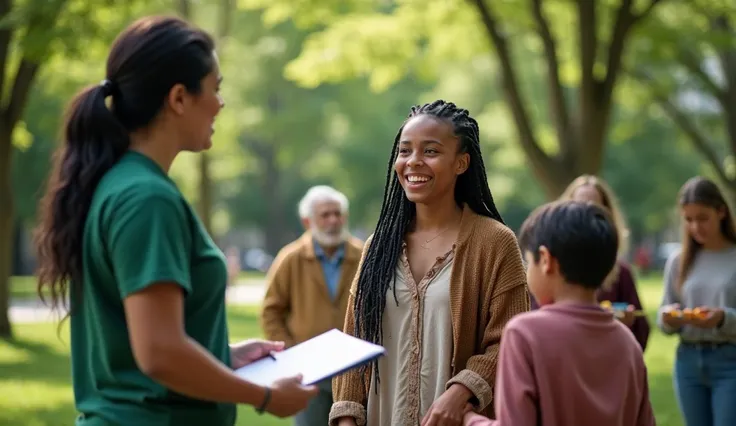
(439, 279)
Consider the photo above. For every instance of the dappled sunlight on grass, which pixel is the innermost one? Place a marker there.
(35, 377)
(14, 355)
(24, 287)
(660, 357)
(35, 374)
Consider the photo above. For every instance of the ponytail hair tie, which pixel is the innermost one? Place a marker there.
(107, 87)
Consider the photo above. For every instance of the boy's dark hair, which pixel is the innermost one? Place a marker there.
(581, 236)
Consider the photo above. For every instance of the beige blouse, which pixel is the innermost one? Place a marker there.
(417, 335)
(487, 289)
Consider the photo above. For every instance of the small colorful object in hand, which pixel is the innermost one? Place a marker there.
(688, 313)
(699, 313)
(675, 313)
(618, 308)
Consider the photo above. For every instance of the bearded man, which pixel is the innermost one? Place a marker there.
(309, 282)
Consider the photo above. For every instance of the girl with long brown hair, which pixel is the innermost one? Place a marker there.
(699, 304)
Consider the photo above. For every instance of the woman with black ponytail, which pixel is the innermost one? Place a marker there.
(439, 279)
(145, 283)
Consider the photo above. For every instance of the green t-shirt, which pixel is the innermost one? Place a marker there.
(140, 231)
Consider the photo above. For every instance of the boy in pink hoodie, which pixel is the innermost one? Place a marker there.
(569, 363)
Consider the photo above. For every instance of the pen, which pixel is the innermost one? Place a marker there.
(270, 355)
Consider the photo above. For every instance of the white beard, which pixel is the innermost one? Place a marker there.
(328, 240)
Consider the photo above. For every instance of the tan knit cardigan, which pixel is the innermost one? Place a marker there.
(487, 288)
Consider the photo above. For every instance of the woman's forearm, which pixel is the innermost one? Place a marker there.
(187, 368)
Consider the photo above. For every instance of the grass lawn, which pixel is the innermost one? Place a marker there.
(35, 388)
(659, 356)
(24, 288)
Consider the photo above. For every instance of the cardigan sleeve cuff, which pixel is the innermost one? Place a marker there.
(347, 409)
(476, 384)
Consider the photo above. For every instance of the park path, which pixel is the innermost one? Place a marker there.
(245, 292)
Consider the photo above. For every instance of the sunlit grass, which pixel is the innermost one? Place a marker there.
(659, 356)
(24, 287)
(35, 375)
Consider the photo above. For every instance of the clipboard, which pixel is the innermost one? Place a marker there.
(320, 358)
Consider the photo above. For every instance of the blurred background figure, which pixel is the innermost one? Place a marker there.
(643, 258)
(699, 305)
(620, 286)
(233, 264)
(309, 282)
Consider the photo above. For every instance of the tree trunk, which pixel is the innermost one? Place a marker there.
(699, 137)
(205, 191)
(6, 232)
(14, 88)
(204, 188)
(552, 176)
(270, 184)
(729, 192)
(185, 8)
(206, 200)
(727, 59)
(18, 265)
(581, 133)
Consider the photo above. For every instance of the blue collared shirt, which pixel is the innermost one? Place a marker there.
(330, 266)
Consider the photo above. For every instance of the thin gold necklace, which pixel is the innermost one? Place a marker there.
(424, 246)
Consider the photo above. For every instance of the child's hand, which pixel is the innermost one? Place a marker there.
(450, 408)
(627, 316)
(672, 316)
(706, 317)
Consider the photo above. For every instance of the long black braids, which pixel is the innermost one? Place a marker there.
(397, 212)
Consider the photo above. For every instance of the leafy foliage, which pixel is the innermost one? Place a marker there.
(685, 62)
